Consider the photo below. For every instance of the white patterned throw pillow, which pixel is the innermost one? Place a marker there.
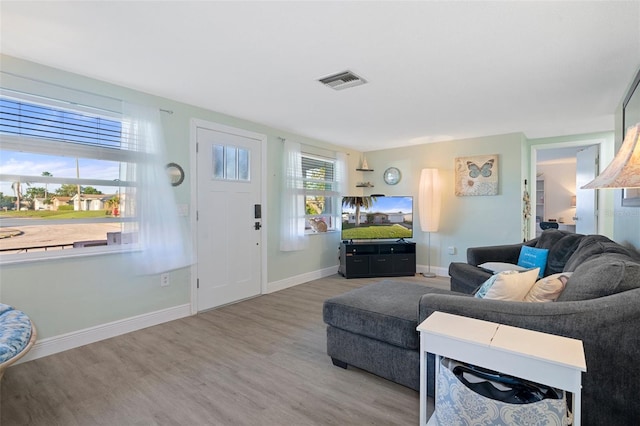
(508, 285)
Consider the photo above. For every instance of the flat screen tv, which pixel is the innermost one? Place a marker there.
(377, 217)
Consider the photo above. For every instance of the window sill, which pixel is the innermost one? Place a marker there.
(329, 231)
(10, 259)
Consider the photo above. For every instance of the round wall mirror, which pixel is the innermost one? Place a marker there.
(176, 174)
(392, 176)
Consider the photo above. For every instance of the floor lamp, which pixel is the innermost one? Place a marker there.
(429, 201)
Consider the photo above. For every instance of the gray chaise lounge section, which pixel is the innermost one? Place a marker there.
(374, 328)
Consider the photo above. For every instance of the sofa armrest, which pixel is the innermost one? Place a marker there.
(503, 253)
(605, 326)
(466, 278)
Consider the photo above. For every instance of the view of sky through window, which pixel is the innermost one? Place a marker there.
(45, 123)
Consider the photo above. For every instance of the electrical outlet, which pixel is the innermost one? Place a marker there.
(164, 279)
(451, 250)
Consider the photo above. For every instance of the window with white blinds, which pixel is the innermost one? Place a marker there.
(320, 189)
(36, 121)
(60, 176)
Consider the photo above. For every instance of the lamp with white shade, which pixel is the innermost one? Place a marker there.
(429, 202)
(624, 170)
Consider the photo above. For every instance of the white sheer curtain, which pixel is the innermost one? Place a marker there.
(342, 183)
(154, 222)
(292, 212)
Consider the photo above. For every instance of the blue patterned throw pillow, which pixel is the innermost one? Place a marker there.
(531, 257)
(484, 288)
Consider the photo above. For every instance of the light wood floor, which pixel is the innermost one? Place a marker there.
(258, 362)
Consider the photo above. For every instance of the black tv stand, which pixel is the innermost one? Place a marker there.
(377, 259)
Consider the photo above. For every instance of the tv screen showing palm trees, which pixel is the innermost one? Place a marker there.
(377, 217)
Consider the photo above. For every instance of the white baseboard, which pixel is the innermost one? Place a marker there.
(314, 275)
(63, 342)
(438, 270)
(301, 279)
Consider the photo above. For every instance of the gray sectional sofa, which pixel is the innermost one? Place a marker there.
(374, 327)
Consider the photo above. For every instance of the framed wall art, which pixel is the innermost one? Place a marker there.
(477, 175)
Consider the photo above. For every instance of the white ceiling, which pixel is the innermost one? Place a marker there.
(436, 70)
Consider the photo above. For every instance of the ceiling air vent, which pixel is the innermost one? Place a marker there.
(342, 80)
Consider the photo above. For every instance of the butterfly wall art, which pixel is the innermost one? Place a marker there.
(477, 175)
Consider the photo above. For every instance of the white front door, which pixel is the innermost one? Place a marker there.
(229, 236)
(586, 217)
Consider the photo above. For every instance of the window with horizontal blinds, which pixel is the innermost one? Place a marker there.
(318, 174)
(37, 121)
(57, 163)
(319, 184)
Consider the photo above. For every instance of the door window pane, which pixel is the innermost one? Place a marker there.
(243, 164)
(218, 162)
(230, 169)
(231, 163)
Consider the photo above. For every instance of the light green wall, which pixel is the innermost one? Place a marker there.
(67, 295)
(465, 221)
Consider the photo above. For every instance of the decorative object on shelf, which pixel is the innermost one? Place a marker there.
(364, 185)
(429, 201)
(176, 174)
(364, 166)
(477, 175)
(392, 176)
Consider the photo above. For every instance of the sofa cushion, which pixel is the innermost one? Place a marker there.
(15, 332)
(602, 276)
(561, 252)
(559, 243)
(386, 311)
(496, 267)
(549, 238)
(593, 245)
